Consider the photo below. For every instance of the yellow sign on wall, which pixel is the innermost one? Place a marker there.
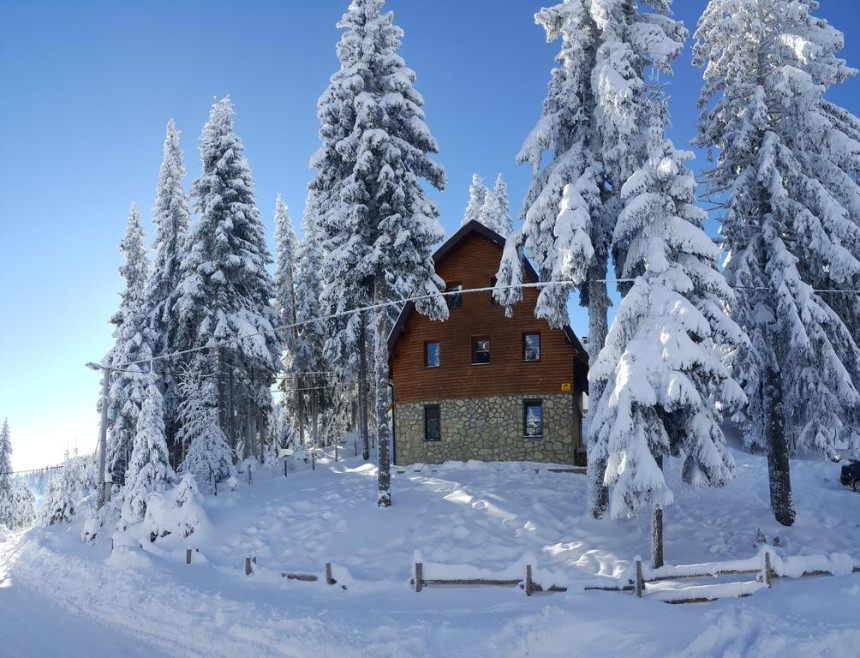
(566, 388)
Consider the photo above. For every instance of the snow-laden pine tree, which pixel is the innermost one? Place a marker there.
(226, 293)
(207, 452)
(149, 468)
(7, 503)
(128, 386)
(495, 213)
(478, 194)
(23, 505)
(170, 218)
(308, 365)
(286, 255)
(376, 220)
(786, 171)
(661, 369)
(589, 139)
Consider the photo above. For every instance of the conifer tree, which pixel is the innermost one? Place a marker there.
(226, 292)
(207, 452)
(478, 194)
(376, 220)
(149, 469)
(661, 368)
(308, 357)
(286, 250)
(589, 137)
(127, 389)
(786, 172)
(170, 218)
(7, 490)
(495, 213)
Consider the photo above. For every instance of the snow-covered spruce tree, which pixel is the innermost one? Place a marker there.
(286, 255)
(170, 218)
(478, 194)
(661, 366)
(589, 139)
(376, 220)
(207, 452)
(23, 501)
(149, 469)
(127, 389)
(7, 506)
(495, 213)
(786, 171)
(226, 292)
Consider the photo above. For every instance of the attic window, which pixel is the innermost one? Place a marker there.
(431, 354)
(480, 350)
(454, 300)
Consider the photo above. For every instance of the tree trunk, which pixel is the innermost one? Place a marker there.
(314, 418)
(362, 388)
(231, 420)
(300, 403)
(598, 309)
(778, 467)
(383, 433)
(657, 531)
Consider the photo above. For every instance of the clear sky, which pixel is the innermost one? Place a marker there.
(88, 86)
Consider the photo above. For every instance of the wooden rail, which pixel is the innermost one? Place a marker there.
(419, 582)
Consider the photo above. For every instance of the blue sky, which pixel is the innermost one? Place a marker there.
(88, 87)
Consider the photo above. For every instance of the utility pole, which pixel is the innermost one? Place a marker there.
(104, 490)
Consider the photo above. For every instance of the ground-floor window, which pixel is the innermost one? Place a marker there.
(532, 418)
(432, 423)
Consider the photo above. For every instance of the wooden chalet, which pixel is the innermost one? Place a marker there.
(481, 385)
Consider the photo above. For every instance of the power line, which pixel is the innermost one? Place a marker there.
(417, 298)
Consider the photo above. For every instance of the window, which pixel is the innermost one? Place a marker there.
(431, 355)
(532, 418)
(455, 300)
(480, 350)
(432, 423)
(531, 347)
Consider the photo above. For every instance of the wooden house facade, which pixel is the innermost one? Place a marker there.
(481, 385)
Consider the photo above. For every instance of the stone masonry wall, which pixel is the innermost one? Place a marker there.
(488, 429)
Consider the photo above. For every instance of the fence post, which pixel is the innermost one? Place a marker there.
(248, 568)
(187, 556)
(640, 582)
(528, 581)
(328, 577)
(766, 576)
(313, 460)
(419, 576)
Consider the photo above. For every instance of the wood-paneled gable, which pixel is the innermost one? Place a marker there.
(472, 260)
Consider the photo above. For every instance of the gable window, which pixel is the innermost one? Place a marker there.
(454, 298)
(431, 355)
(532, 419)
(480, 350)
(531, 347)
(432, 423)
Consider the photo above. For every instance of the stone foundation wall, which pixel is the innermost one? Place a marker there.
(488, 429)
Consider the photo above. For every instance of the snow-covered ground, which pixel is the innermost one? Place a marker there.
(61, 597)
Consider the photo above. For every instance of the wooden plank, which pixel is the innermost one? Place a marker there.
(304, 577)
(712, 574)
(248, 568)
(471, 582)
(528, 581)
(329, 580)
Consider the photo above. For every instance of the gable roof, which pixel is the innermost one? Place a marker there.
(450, 245)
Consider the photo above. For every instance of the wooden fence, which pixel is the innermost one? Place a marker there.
(660, 584)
